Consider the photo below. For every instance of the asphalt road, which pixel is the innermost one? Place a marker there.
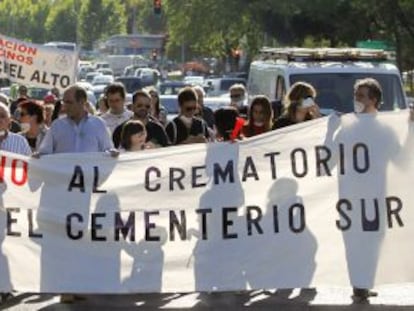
(395, 297)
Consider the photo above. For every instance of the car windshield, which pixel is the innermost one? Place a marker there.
(171, 104)
(335, 90)
(37, 93)
(131, 85)
(171, 89)
(225, 84)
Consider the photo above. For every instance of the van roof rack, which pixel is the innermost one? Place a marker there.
(325, 54)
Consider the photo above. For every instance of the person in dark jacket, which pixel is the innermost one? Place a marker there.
(186, 128)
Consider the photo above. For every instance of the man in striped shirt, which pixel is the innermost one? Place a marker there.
(10, 141)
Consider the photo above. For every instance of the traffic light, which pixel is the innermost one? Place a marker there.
(154, 55)
(157, 7)
(236, 53)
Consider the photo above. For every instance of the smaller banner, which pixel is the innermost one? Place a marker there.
(37, 65)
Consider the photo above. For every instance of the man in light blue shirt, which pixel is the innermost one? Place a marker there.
(78, 131)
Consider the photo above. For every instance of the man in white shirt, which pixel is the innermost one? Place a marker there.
(117, 113)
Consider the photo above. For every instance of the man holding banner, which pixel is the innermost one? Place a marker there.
(364, 201)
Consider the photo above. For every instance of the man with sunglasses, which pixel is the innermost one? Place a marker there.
(186, 128)
(141, 107)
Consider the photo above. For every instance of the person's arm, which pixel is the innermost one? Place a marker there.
(169, 132)
(105, 141)
(46, 146)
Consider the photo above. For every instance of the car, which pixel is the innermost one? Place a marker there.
(170, 103)
(37, 93)
(86, 85)
(130, 70)
(99, 65)
(83, 71)
(91, 75)
(132, 84)
(106, 71)
(98, 90)
(220, 86)
(171, 87)
(148, 76)
(102, 80)
(216, 102)
(331, 71)
(241, 74)
(194, 80)
(6, 90)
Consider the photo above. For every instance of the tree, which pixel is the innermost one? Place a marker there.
(210, 27)
(100, 19)
(23, 19)
(61, 23)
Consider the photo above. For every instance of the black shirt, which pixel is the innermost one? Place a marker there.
(155, 134)
(177, 131)
(208, 116)
(282, 122)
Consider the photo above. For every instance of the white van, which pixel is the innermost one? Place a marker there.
(332, 71)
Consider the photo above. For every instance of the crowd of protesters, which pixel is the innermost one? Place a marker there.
(67, 124)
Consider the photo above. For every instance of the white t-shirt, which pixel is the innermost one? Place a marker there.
(114, 120)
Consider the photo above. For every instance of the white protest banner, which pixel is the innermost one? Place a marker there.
(37, 65)
(326, 202)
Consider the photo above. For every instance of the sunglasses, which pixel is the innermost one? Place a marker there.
(236, 96)
(189, 109)
(142, 106)
(22, 114)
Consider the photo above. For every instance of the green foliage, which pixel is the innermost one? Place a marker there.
(211, 27)
(23, 19)
(100, 19)
(61, 22)
(214, 28)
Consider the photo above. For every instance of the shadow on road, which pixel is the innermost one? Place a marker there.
(252, 300)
